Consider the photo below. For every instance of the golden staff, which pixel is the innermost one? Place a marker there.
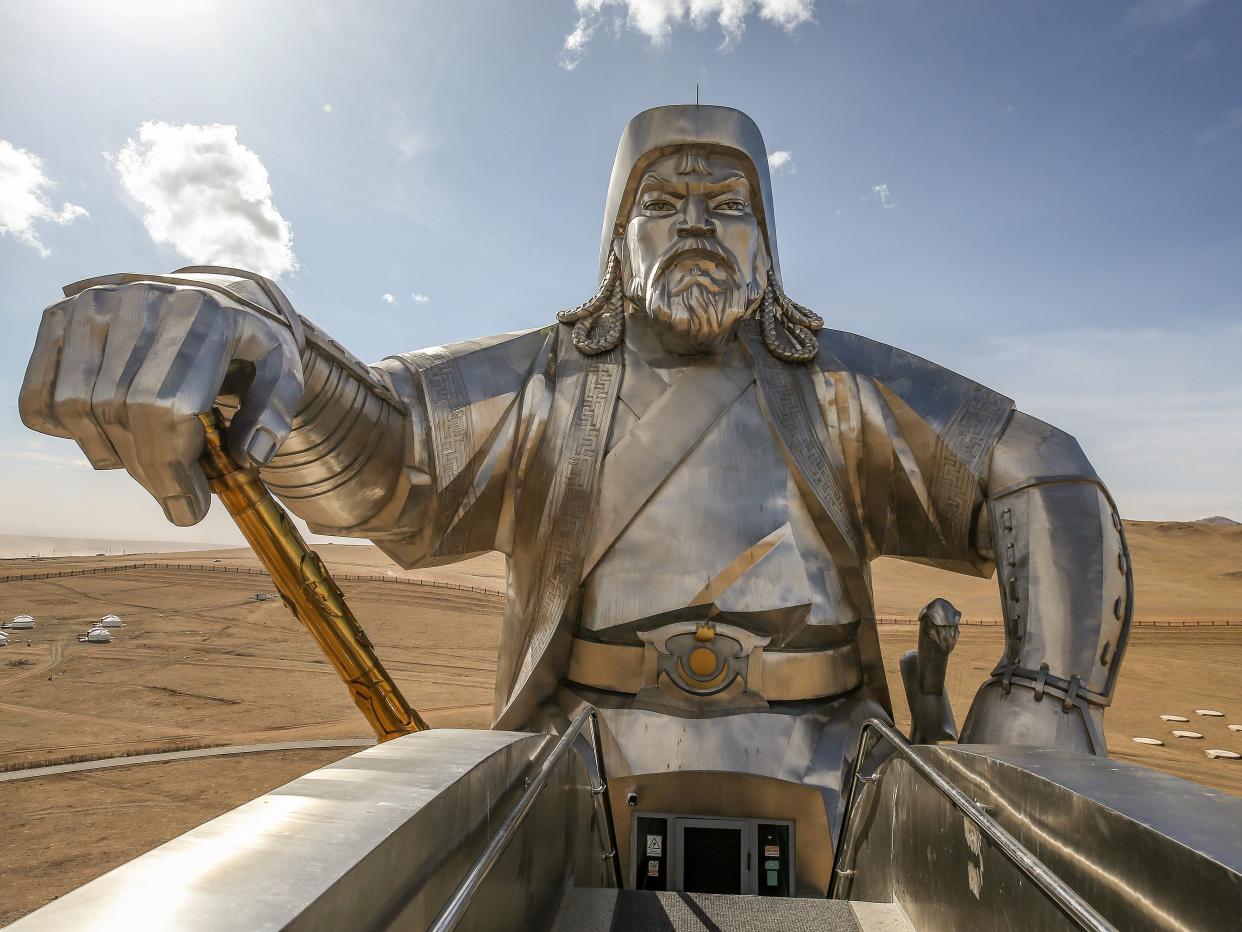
(306, 587)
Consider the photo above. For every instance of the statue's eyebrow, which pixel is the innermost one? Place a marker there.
(733, 183)
(652, 180)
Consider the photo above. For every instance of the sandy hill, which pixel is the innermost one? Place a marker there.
(1183, 570)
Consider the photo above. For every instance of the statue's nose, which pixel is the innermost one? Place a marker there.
(694, 221)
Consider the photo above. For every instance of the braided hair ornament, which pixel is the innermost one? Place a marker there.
(599, 322)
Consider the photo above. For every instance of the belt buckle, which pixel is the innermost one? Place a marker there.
(689, 662)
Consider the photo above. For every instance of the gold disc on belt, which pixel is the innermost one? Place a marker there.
(702, 661)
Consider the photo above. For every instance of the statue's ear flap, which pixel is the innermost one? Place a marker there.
(763, 268)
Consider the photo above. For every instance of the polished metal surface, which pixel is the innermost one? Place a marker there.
(1061, 553)
(688, 450)
(306, 587)
(379, 839)
(786, 762)
(1149, 850)
(1145, 849)
(463, 899)
(850, 869)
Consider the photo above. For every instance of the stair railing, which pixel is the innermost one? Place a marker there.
(456, 906)
(1075, 908)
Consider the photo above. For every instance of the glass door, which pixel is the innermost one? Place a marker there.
(714, 856)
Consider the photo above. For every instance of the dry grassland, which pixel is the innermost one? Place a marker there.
(200, 662)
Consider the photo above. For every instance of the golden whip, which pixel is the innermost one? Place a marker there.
(306, 587)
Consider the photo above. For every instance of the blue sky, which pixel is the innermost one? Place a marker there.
(1044, 196)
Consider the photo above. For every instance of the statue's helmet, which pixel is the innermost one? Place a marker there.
(662, 131)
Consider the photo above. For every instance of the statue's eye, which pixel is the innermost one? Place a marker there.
(657, 205)
(732, 204)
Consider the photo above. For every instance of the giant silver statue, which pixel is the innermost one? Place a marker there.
(689, 474)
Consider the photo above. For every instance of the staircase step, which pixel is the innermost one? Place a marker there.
(595, 910)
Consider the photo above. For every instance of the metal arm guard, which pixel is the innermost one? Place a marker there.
(343, 460)
(1067, 592)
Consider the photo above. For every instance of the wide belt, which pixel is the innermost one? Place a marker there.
(681, 655)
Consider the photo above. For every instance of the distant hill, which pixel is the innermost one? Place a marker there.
(1219, 521)
(1182, 569)
(13, 546)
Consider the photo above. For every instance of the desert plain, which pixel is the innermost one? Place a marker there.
(200, 662)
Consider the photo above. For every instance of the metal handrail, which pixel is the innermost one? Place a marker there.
(1075, 907)
(455, 908)
(601, 793)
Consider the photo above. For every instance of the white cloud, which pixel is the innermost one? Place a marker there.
(1230, 124)
(780, 162)
(656, 19)
(420, 298)
(206, 195)
(1153, 14)
(387, 298)
(23, 197)
(881, 193)
(409, 138)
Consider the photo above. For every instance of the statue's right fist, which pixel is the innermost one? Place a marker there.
(123, 369)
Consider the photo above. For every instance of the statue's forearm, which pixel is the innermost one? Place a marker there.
(342, 463)
(1066, 592)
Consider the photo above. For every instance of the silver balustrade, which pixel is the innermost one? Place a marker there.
(457, 905)
(1070, 903)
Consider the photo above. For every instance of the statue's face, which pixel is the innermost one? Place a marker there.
(694, 259)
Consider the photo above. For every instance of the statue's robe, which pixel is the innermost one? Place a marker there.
(507, 439)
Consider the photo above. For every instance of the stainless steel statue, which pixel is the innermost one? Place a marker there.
(689, 473)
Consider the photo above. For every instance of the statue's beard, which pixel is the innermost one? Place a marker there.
(694, 297)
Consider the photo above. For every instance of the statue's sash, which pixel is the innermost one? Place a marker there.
(558, 506)
(786, 397)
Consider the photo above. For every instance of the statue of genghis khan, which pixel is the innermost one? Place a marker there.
(688, 473)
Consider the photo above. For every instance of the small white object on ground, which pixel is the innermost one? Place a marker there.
(1235, 727)
(1153, 741)
(1211, 712)
(1214, 753)
(1175, 718)
(1187, 734)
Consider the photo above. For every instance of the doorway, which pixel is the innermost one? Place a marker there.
(713, 856)
(699, 854)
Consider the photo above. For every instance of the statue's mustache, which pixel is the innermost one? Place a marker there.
(697, 247)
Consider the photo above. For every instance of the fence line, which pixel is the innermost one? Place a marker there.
(240, 570)
(1141, 623)
(436, 584)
